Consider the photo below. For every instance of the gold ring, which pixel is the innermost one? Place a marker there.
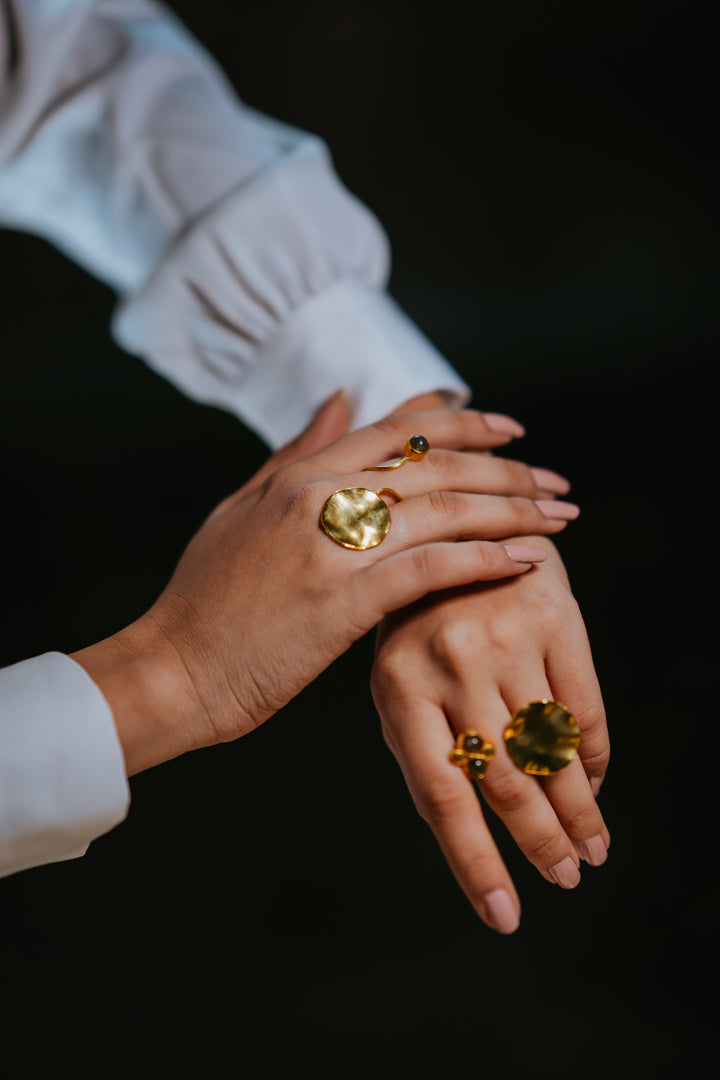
(359, 518)
(472, 753)
(542, 738)
(416, 447)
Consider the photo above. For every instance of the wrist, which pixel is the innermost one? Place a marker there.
(145, 686)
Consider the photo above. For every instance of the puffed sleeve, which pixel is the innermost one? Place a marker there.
(245, 271)
(62, 774)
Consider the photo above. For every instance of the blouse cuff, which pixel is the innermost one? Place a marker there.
(350, 337)
(62, 772)
(276, 298)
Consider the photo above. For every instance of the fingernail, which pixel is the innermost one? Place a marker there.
(500, 912)
(524, 554)
(503, 425)
(553, 508)
(593, 851)
(550, 481)
(595, 785)
(565, 873)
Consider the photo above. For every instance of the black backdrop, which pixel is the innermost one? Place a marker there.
(274, 908)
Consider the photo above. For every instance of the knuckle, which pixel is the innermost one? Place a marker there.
(591, 719)
(451, 643)
(581, 821)
(508, 791)
(422, 562)
(445, 466)
(390, 425)
(389, 674)
(445, 504)
(545, 850)
(440, 800)
(596, 764)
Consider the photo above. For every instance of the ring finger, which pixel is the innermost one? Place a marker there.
(517, 799)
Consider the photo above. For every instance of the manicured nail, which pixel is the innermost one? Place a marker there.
(593, 851)
(554, 508)
(503, 425)
(550, 481)
(565, 873)
(524, 553)
(500, 912)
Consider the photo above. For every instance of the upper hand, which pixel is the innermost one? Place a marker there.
(262, 600)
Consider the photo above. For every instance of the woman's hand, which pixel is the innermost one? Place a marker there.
(469, 659)
(262, 600)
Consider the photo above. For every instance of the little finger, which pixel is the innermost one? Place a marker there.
(406, 576)
(568, 791)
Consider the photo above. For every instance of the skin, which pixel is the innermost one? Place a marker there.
(201, 667)
(469, 658)
(244, 625)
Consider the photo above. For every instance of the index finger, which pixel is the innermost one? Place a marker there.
(446, 799)
(454, 429)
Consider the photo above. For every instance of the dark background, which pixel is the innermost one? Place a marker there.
(274, 908)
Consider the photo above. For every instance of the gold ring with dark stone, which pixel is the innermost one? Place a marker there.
(359, 518)
(416, 447)
(542, 738)
(472, 754)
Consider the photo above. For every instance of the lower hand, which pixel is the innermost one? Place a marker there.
(469, 659)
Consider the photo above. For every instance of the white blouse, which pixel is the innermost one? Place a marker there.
(245, 272)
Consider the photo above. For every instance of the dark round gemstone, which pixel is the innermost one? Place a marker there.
(476, 768)
(419, 444)
(473, 744)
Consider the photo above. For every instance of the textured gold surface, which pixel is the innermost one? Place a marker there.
(472, 753)
(542, 738)
(356, 518)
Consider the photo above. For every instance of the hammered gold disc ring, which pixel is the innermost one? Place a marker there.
(542, 738)
(359, 518)
(472, 754)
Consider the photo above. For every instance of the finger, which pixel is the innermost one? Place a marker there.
(418, 734)
(451, 515)
(517, 799)
(568, 791)
(467, 471)
(549, 482)
(572, 678)
(403, 578)
(453, 429)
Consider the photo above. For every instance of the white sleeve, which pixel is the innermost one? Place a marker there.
(62, 773)
(246, 272)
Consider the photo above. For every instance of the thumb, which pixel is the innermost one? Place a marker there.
(332, 420)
